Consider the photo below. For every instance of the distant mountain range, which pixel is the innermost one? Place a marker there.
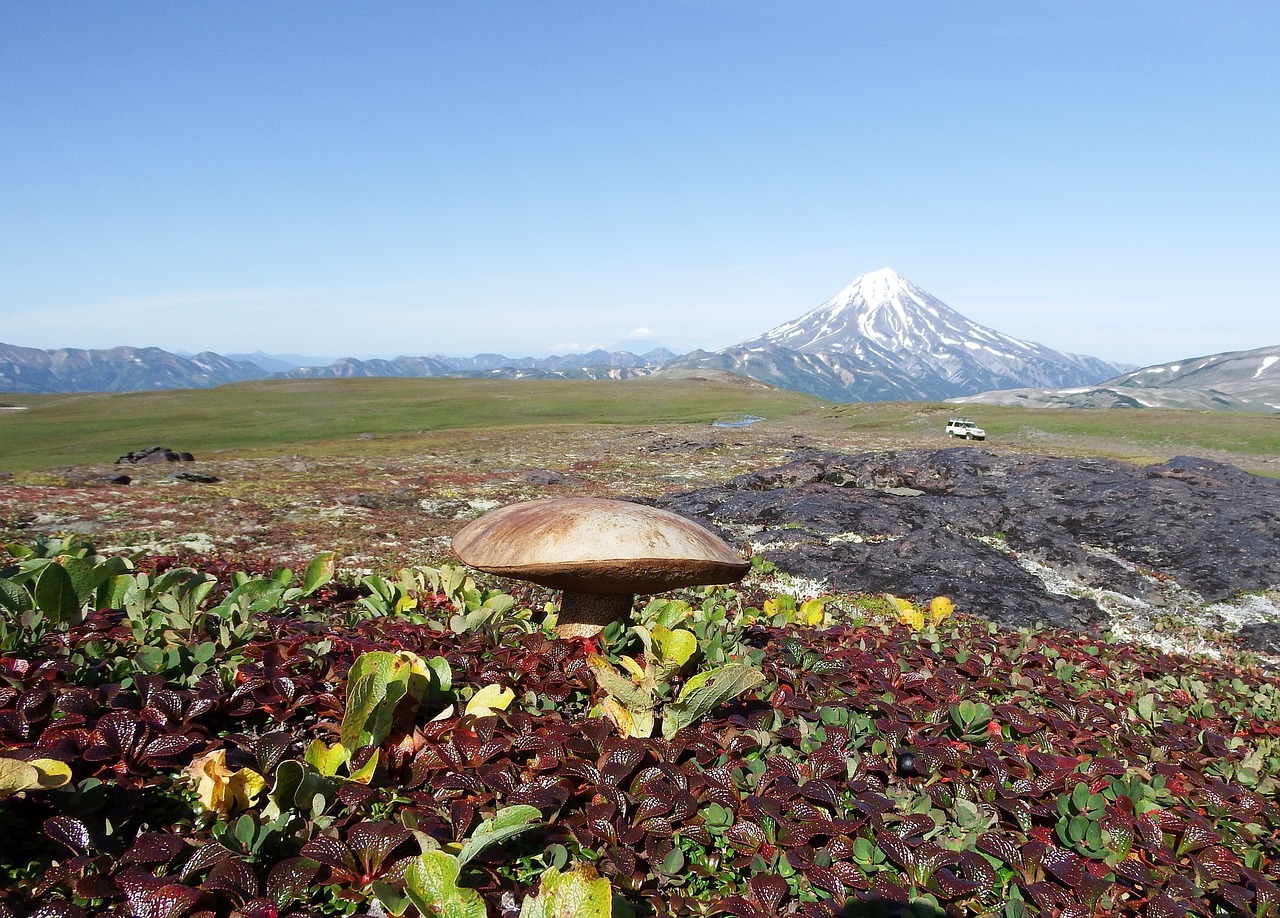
(881, 338)
(591, 365)
(131, 369)
(1239, 381)
(118, 369)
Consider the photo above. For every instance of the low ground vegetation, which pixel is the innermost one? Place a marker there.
(189, 728)
(183, 738)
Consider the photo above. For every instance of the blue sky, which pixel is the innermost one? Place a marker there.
(535, 177)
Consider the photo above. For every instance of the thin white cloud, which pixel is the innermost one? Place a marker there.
(570, 347)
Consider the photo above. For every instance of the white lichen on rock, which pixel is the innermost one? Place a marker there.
(1177, 621)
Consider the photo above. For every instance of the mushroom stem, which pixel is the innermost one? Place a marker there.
(584, 615)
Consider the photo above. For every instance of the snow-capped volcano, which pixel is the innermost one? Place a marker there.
(882, 337)
(884, 310)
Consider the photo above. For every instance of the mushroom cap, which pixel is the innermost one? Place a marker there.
(592, 545)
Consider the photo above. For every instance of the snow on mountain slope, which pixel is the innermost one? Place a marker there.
(884, 309)
(1252, 374)
(882, 337)
(1237, 381)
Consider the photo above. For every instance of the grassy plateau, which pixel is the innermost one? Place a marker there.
(323, 416)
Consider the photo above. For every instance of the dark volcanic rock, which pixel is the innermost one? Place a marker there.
(154, 454)
(395, 499)
(543, 478)
(1264, 636)
(677, 445)
(921, 522)
(82, 477)
(195, 477)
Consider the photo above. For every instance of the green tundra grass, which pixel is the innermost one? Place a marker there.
(356, 416)
(72, 429)
(1145, 435)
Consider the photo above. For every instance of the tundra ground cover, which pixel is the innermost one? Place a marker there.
(201, 741)
(162, 718)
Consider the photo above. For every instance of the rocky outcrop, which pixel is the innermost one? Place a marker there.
(984, 529)
(154, 454)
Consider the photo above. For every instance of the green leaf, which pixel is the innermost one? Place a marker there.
(14, 597)
(393, 901)
(431, 881)
(170, 579)
(15, 550)
(84, 581)
(580, 893)
(1080, 796)
(113, 590)
(56, 595)
(291, 788)
(244, 830)
(717, 816)
(707, 691)
(508, 821)
(259, 594)
(672, 864)
(150, 660)
(631, 696)
(376, 682)
(439, 668)
(673, 612)
(108, 570)
(196, 590)
(319, 572)
(1093, 836)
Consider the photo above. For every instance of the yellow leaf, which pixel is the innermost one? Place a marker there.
(812, 611)
(17, 776)
(36, 774)
(940, 609)
(244, 787)
(903, 605)
(220, 789)
(365, 774)
(913, 619)
(634, 668)
(621, 717)
(326, 759)
(52, 772)
(405, 603)
(676, 645)
(490, 700)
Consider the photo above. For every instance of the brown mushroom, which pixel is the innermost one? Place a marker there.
(599, 552)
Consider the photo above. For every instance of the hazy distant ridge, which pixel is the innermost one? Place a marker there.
(131, 369)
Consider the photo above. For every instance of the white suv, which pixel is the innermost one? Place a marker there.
(959, 427)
